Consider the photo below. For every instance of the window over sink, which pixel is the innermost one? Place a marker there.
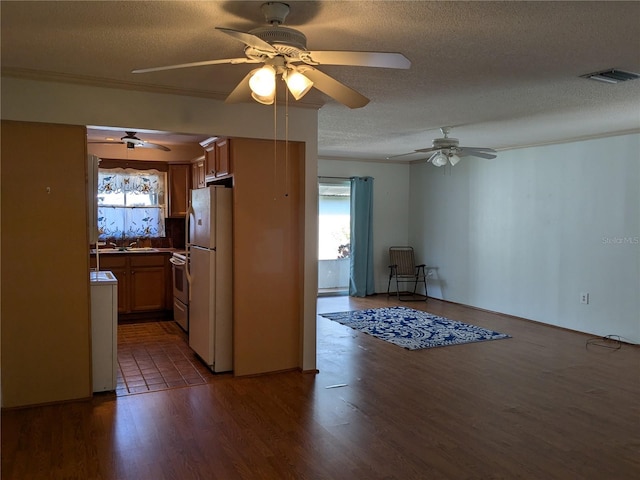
(131, 203)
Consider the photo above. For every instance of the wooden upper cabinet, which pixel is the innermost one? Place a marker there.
(223, 161)
(217, 157)
(179, 186)
(197, 174)
(210, 160)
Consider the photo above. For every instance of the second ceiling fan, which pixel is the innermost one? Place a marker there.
(283, 51)
(132, 141)
(447, 150)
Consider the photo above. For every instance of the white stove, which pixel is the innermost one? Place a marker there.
(180, 289)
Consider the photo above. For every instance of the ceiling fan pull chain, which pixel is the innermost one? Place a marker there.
(275, 146)
(286, 143)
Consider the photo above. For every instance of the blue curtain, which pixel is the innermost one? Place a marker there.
(361, 281)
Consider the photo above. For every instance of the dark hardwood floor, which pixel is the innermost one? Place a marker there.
(541, 405)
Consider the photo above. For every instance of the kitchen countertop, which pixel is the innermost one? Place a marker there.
(134, 251)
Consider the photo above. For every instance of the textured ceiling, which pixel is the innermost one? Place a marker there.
(505, 74)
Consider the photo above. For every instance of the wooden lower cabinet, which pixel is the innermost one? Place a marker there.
(144, 281)
(148, 279)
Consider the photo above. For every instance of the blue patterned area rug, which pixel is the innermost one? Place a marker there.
(412, 329)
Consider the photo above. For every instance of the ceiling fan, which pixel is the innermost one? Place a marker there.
(283, 51)
(131, 141)
(448, 150)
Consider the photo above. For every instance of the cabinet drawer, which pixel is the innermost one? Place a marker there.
(146, 260)
(112, 261)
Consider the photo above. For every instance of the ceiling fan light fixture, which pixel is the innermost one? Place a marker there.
(263, 82)
(438, 159)
(265, 100)
(453, 159)
(297, 83)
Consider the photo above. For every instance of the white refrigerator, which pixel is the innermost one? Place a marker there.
(210, 273)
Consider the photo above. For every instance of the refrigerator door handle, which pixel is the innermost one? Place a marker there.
(187, 246)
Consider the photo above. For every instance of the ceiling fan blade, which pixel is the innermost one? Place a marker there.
(360, 59)
(249, 39)
(336, 90)
(153, 145)
(402, 155)
(106, 143)
(232, 61)
(479, 149)
(467, 152)
(136, 144)
(428, 150)
(242, 92)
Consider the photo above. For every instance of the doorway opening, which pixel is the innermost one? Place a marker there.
(153, 350)
(334, 236)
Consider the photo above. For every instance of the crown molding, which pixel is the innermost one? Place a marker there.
(45, 76)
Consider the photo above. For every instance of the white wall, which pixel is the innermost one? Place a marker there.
(390, 200)
(37, 101)
(526, 233)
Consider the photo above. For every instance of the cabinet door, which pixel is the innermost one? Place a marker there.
(198, 175)
(179, 185)
(148, 283)
(147, 289)
(210, 161)
(223, 162)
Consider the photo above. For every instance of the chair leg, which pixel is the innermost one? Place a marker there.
(420, 274)
(426, 293)
(389, 283)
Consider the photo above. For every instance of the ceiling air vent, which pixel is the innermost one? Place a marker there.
(612, 76)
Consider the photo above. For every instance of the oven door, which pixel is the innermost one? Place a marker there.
(180, 293)
(180, 284)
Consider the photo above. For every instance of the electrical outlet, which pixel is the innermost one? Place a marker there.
(584, 298)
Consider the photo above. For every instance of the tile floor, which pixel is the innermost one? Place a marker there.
(156, 356)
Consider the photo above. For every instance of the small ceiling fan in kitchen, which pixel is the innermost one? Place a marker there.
(132, 141)
(283, 51)
(448, 150)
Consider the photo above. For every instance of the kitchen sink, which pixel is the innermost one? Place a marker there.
(128, 249)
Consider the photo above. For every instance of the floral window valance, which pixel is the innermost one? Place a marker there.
(130, 203)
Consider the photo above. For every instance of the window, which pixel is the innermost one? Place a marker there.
(334, 235)
(130, 203)
(334, 220)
